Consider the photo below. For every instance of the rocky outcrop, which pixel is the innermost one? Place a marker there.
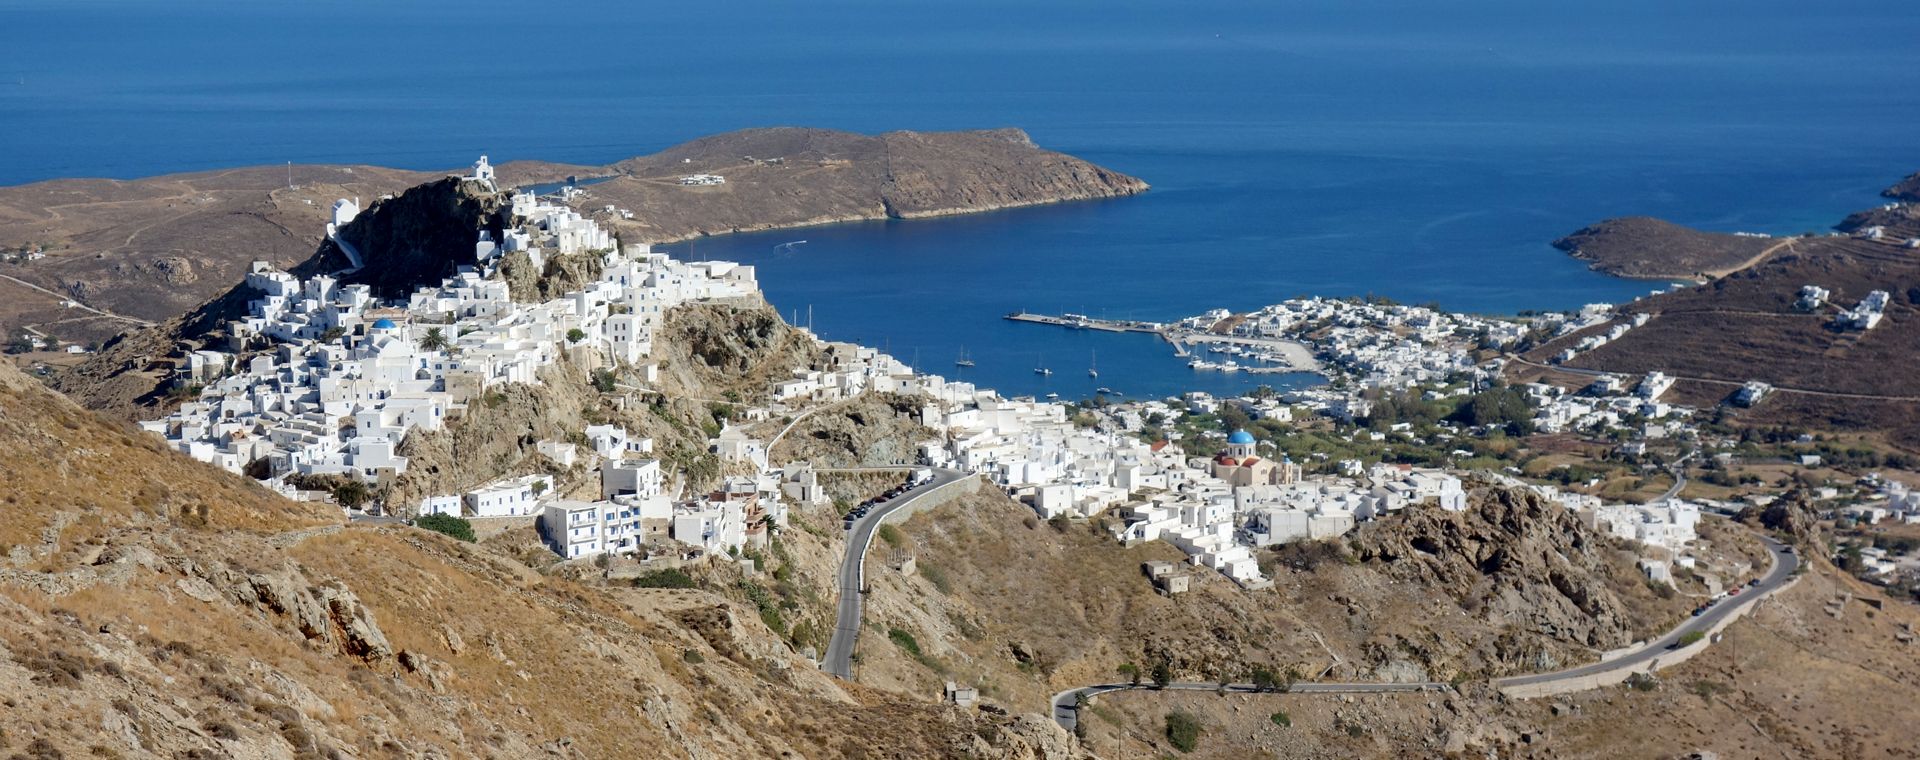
(1519, 558)
(416, 238)
(1790, 515)
(326, 613)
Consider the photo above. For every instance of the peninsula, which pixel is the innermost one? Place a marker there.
(83, 259)
(1823, 323)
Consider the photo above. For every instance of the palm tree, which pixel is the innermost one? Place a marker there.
(434, 340)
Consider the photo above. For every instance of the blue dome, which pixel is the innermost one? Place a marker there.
(1240, 438)
(384, 324)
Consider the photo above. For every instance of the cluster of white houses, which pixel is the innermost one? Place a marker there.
(349, 378)
(1217, 510)
(1379, 345)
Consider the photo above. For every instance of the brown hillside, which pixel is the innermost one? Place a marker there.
(1744, 326)
(151, 606)
(1027, 608)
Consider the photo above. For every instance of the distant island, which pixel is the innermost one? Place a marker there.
(147, 250)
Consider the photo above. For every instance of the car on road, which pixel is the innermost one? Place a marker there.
(1700, 610)
(1735, 591)
(1753, 583)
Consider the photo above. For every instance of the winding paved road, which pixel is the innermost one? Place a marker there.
(1784, 563)
(853, 571)
(1066, 711)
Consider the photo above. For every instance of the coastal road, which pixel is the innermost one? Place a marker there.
(853, 571)
(1784, 563)
(1067, 714)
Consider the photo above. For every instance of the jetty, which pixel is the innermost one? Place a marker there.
(1084, 322)
(1291, 355)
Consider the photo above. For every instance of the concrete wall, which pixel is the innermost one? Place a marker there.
(1619, 675)
(937, 497)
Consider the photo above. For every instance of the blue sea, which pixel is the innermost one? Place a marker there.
(1422, 151)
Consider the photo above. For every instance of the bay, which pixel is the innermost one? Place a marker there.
(1413, 150)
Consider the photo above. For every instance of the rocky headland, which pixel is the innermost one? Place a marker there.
(1647, 248)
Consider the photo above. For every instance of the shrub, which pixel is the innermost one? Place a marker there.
(1691, 637)
(1281, 719)
(448, 524)
(1183, 731)
(904, 640)
(691, 657)
(891, 535)
(672, 577)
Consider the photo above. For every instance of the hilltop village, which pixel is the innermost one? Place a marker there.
(349, 377)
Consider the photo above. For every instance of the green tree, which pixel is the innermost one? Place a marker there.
(1131, 672)
(435, 340)
(1162, 674)
(576, 335)
(448, 524)
(603, 380)
(1264, 679)
(352, 494)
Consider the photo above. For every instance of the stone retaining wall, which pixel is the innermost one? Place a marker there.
(937, 497)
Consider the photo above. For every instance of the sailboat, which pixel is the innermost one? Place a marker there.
(1041, 368)
(963, 361)
(1092, 365)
